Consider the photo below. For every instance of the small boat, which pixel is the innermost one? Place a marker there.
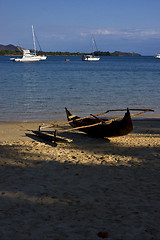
(157, 56)
(93, 126)
(91, 57)
(100, 127)
(67, 59)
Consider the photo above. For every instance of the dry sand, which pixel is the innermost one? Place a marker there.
(75, 190)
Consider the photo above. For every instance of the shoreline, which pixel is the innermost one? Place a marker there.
(76, 190)
(63, 119)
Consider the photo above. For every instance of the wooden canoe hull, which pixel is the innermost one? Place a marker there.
(110, 129)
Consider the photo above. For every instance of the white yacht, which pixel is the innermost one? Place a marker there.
(91, 57)
(28, 56)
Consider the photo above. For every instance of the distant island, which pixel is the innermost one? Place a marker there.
(11, 50)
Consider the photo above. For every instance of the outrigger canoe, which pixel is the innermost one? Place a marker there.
(99, 127)
(94, 126)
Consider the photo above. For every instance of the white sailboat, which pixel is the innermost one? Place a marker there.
(34, 42)
(157, 56)
(28, 56)
(91, 57)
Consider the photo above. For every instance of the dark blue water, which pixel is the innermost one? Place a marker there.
(41, 90)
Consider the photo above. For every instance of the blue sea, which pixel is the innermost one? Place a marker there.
(41, 90)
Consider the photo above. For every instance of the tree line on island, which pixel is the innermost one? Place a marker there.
(11, 50)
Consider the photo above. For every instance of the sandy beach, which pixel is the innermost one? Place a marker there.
(73, 191)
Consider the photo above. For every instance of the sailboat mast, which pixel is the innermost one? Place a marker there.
(34, 40)
(92, 44)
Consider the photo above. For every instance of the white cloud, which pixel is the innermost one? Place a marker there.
(134, 33)
(127, 33)
(105, 32)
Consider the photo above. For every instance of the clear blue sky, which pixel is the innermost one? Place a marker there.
(67, 25)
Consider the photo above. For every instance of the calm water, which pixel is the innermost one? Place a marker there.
(40, 91)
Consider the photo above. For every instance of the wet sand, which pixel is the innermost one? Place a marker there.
(76, 190)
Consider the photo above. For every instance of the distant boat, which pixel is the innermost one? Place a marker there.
(28, 56)
(157, 56)
(91, 57)
(34, 42)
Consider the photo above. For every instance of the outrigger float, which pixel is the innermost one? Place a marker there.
(94, 126)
